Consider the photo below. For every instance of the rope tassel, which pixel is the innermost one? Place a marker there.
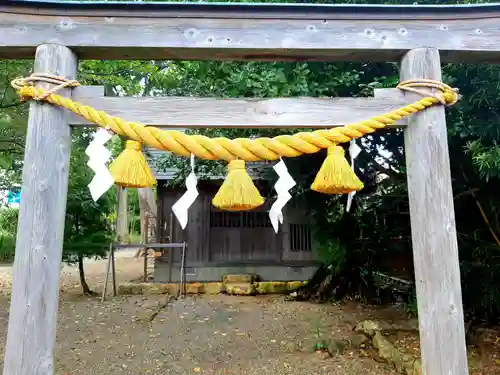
(238, 192)
(336, 175)
(130, 168)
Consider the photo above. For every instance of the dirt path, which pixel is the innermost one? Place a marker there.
(127, 268)
(207, 335)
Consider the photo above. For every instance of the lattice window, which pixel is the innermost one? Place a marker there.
(300, 237)
(239, 220)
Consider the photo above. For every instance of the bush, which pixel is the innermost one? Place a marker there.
(8, 220)
(7, 246)
(8, 229)
(332, 253)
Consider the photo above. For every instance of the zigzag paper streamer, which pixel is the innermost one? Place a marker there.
(181, 207)
(98, 156)
(283, 185)
(354, 151)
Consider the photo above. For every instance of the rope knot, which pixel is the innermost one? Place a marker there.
(20, 84)
(133, 145)
(236, 164)
(335, 150)
(446, 95)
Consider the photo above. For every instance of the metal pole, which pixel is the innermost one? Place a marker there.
(182, 288)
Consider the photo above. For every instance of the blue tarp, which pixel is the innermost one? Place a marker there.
(13, 197)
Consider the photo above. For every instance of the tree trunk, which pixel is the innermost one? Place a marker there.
(325, 286)
(311, 290)
(85, 287)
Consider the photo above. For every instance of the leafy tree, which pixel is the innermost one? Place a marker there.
(12, 124)
(87, 229)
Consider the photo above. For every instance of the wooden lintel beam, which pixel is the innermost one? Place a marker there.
(187, 112)
(467, 33)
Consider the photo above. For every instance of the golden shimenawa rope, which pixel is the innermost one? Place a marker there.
(240, 148)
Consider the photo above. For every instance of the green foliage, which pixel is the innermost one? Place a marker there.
(411, 306)
(332, 253)
(485, 158)
(8, 220)
(7, 246)
(12, 123)
(87, 228)
(8, 229)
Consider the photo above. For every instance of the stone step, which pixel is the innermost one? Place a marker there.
(239, 278)
(240, 289)
(263, 287)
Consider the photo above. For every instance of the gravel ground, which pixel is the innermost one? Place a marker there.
(206, 335)
(209, 335)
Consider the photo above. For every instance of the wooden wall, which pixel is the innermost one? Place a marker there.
(222, 237)
(240, 236)
(197, 232)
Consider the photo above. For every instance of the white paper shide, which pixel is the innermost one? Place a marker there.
(181, 207)
(354, 151)
(98, 156)
(283, 185)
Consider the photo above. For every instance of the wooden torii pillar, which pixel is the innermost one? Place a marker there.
(31, 334)
(434, 236)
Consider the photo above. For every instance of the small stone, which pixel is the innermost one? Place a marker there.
(323, 354)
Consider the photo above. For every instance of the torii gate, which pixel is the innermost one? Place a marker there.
(57, 35)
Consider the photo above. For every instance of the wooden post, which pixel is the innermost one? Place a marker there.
(122, 215)
(148, 199)
(113, 270)
(143, 213)
(106, 277)
(145, 241)
(35, 291)
(170, 250)
(121, 230)
(434, 238)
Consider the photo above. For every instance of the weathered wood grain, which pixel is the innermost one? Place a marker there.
(345, 11)
(171, 254)
(108, 269)
(148, 197)
(122, 234)
(204, 234)
(434, 237)
(237, 33)
(35, 290)
(187, 112)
